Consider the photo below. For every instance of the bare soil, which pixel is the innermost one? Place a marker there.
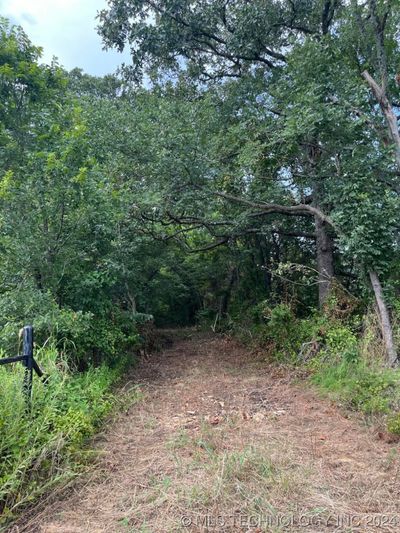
(224, 441)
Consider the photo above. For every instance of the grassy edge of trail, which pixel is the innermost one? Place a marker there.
(343, 358)
(51, 445)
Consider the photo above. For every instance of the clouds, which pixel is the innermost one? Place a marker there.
(65, 29)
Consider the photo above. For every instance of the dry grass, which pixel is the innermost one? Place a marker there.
(372, 348)
(231, 445)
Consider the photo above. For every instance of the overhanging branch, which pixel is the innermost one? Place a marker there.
(267, 208)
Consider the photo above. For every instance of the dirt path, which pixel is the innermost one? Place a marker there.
(223, 442)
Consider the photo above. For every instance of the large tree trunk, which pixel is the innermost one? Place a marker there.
(324, 244)
(380, 93)
(386, 325)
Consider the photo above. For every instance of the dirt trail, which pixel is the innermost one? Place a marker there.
(221, 441)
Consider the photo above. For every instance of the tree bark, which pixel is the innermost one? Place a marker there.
(324, 245)
(388, 113)
(131, 298)
(386, 325)
(380, 93)
(227, 293)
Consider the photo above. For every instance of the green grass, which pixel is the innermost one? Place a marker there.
(48, 445)
(360, 386)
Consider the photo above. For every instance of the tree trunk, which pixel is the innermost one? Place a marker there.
(388, 113)
(227, 293)
(324, 244)
(131, 299)
(380, 93)
(265, 263)
(386, 326)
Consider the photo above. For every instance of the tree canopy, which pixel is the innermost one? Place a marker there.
(249, 151)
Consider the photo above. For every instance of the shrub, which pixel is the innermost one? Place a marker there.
(284, 333)
(86, 338)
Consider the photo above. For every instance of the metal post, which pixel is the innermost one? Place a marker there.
(27, 352)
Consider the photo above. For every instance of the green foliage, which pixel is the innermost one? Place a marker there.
(74, 261)
(83, 336)
(359, 386)
(295, 124)
(281, 331)
(340, 343)
(234, 37)
(46, 446)
(394, 424)
(120, 202)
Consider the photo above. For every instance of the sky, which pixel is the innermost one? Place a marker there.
(65, 29)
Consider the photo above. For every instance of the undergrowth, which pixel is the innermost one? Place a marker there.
(341, 353)
(48, 445)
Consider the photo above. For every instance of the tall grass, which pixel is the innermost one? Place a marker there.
(42, 447)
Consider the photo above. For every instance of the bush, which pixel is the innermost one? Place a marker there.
(86, 338)
(282, 332)
(394, 424)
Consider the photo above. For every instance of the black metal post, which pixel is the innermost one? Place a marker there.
(27, 352)
(8, 360)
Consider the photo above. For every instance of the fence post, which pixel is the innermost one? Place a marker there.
(27, 352)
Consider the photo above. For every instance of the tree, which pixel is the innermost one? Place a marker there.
(302, 63)
(218, 41)
(211, 40)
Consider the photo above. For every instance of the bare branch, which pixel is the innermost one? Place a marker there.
(387, 110)
(210, 246)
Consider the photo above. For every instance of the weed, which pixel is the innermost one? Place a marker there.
(47, 446)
